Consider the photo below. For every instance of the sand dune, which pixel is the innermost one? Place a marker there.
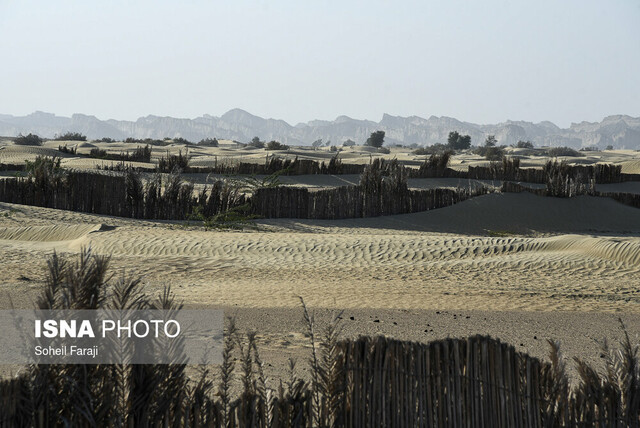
(631, 167)
(58, 232)
(396, 262)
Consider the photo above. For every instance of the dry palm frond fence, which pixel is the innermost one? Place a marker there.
(12, 167)
(120, 195)
(375, 382)
(352, 201)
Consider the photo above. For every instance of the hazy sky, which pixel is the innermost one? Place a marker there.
(479, 61)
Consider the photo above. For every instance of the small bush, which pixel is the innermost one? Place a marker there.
(490, 153)
(524, 145)
(174, 163)
(563, 151)
(181, 140)
(429, 150)
(28, 140)
(256, 143)
(384, 150)
(71, 136)
(140, 154)
(274, 145)
(67, 150)
(349, 143)
(98, 153)
(589, 149)
(106, 140)
(149, 141)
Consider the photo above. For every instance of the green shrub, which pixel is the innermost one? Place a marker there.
(563, 151)
(28, 140)
(524, 145)
(71, 136)
(180, 140)
(274, 145)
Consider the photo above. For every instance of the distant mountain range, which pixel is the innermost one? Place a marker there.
(619, 131)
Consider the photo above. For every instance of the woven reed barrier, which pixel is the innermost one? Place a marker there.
(122, 195)
(12, 167)
(352, 201)
(381, 382)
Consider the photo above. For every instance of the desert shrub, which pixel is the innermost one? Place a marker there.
(333, 149)
(275, 145)
(609, 147)
(563, 151)
(428, 150)
(208, 142)
(67, 150)
(380, 174)
(589, 149)
(106, 140)
(256, 143)
(28, 140)
(349, 143)
(98, 153)
(491, 153)
(43, 165)
(71, 136)
(149, 141)
(140, 154)
(171, 163)
(524, 145)
(180, 140)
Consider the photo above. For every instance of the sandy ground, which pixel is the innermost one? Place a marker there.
(515, 266)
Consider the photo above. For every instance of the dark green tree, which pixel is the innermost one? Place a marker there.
(456, 141)
(376, 139)
(490, 141)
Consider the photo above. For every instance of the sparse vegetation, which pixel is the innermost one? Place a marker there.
(563, 151)
(180, 140)
(174, 163)
(68, 150)
(208, 142)
(524, 145)
(275, 145)
(349, 143)
(140, 154)
(71, 136)
(255, 143)
(28, 140)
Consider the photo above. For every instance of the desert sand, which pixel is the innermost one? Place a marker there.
(516, 266)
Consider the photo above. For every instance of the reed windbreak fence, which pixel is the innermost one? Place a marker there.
(382, 382)
(353, 201)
